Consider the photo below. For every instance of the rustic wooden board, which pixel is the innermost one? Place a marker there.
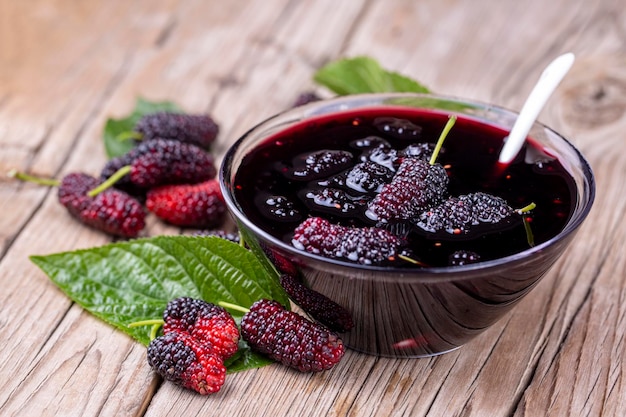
(65, 67)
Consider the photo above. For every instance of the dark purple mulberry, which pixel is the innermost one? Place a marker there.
(181, 313)
(306, 98)
(416, 186)
(124, 183)
(116, 213)
(370, 142)
(365, 177)
(319, 164)
(282, 264)
(72, 192)
(289, 338)
(160, 162)
(333, 201)
(489, 208)
(111, 211)
(367, 245)
(398, 128)
(423, 150)
(196, 129)
(386, 157)
(163, 162)
(368, 177)
(181, 359)
(458, 214)
(278, 207)
(317, 305)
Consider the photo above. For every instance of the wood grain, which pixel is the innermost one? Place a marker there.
(65, 67)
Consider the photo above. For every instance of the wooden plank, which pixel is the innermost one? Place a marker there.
(77, 372)
(584, 372)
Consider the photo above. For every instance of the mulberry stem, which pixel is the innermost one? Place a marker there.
(411, 260)
(235, 307)
(109, 181)
(242, 241)
(145, 323)
(31, 178)
(530, 237)
(527, 208)
(155, 323)
(128, 135)
(442, 138)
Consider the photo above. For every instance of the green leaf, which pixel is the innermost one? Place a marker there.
(364, 75)
(132, 281)
(114, 145)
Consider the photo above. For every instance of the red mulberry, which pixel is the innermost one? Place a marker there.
(205, 322)
(181, 359)
(197, 205)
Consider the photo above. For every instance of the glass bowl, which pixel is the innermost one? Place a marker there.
(414, 312)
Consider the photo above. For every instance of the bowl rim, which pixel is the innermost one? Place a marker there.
(580, 213)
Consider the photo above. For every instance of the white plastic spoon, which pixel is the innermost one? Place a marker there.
(547, 83)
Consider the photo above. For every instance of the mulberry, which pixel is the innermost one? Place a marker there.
(319, 164)
(197, 205)
(368, 177)
(289, 338)
(72, 192)
(423, 150)
(416, 186)
(181, 359)
(398, 128)
(317, 305)
(459, 214)
(306, 98)
(333, 201)
(368, 245)
(205, 322)
(111, 211)
(279, 208)
(196, 129)
(160, 162)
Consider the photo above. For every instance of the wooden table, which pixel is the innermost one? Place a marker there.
(66, 66)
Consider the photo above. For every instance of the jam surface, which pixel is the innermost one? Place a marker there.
(315, 169)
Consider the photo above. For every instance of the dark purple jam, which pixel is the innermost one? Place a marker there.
(333, 165)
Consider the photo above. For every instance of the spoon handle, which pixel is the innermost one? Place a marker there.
(547, 83)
